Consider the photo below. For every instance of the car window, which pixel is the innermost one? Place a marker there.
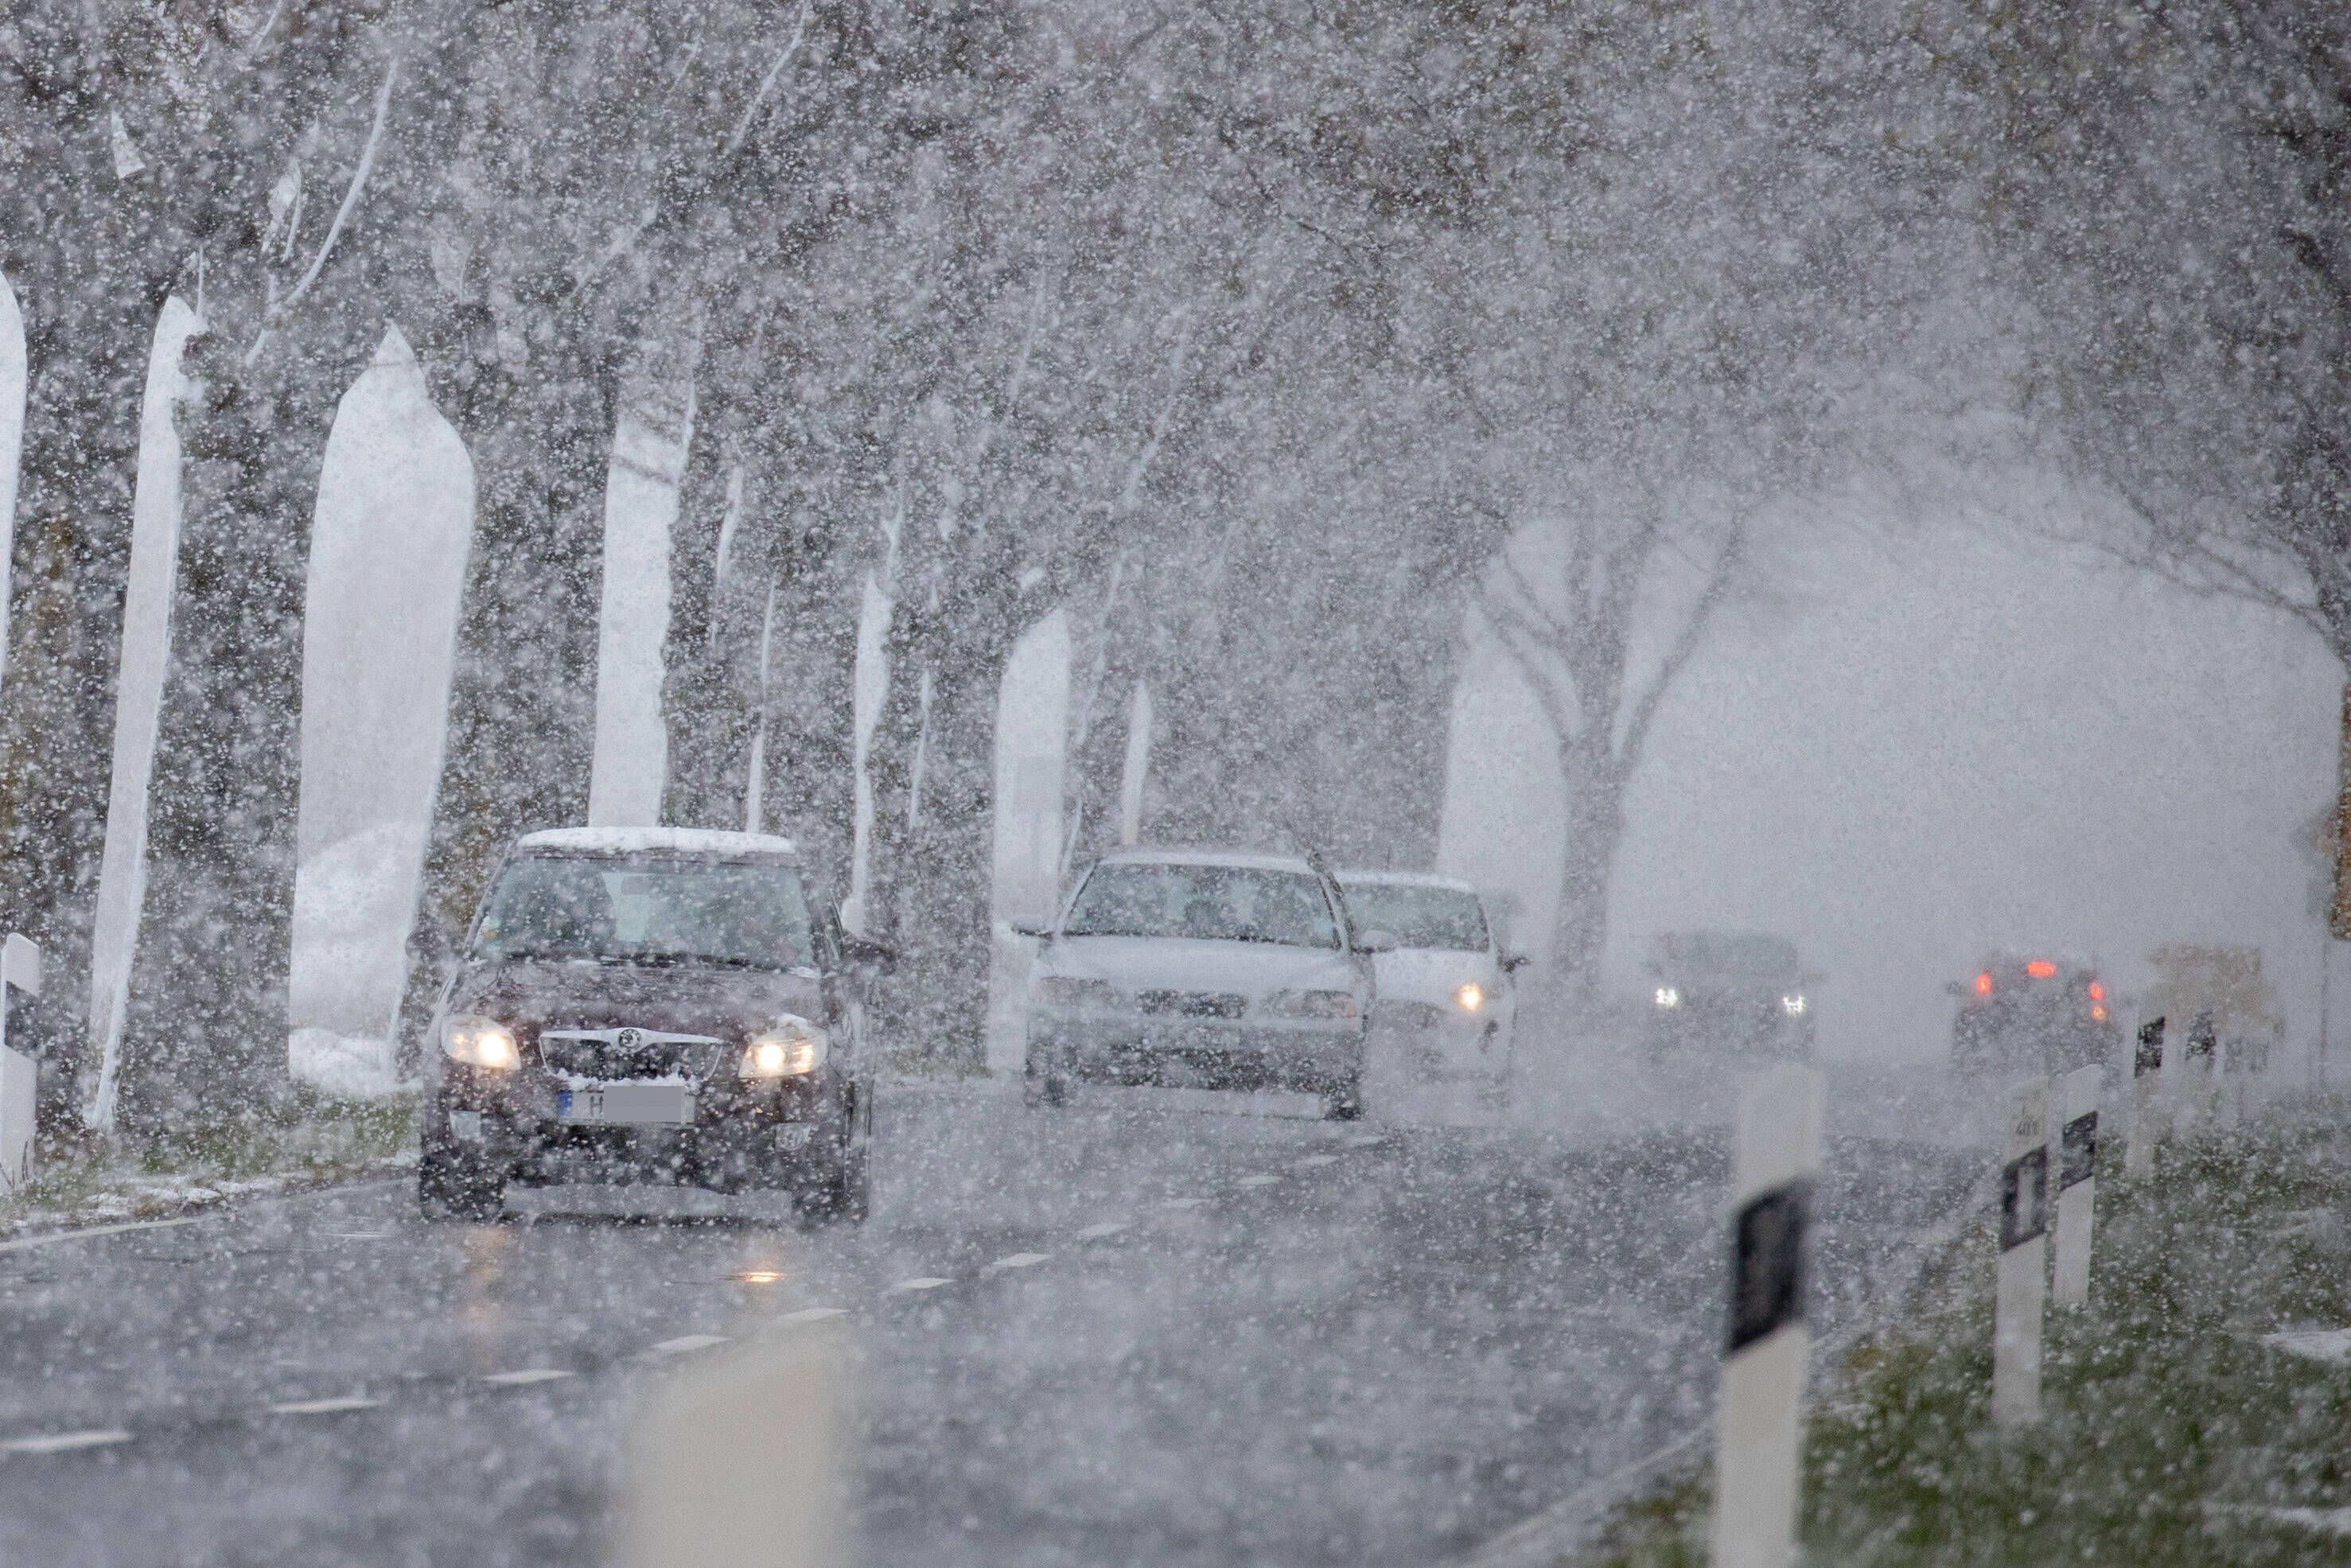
(1206, 903)
(1446, 918)
(1729, 955)
(572, 906)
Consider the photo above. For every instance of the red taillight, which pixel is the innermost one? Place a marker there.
(1983, 983)
(2041, 968)
(2097, 992)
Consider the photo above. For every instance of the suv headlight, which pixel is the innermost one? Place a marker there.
(793, 1049)
(1313, 1005)
(478, 1041)
(1470, 996)
(1669, 998)
(1794, 1004)
(1059, 991)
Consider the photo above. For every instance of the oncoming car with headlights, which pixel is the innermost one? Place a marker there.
(649, 1005)
(1203, 969)
(1730, 990)
(1446, 981)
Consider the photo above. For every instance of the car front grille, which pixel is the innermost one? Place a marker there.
(1193, 1004)
(1410, 1015)
(613, 1054)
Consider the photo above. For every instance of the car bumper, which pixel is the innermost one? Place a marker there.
(776, 1132)
(1197, 1054)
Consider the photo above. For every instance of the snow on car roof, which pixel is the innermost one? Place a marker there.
(655, 841)
(1208, 857)
(1405, 879)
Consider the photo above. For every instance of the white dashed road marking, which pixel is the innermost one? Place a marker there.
(1365, 1140)
(685, 1342)
(62, 1442)
(1184, 1203)
(1313, 1161)
(1107, 1227)
(813, 1314)
(1258, 1181)
(53, 1238)
(324, 1407)
(528, 1374)
(1018, 1260)
(919, 1283)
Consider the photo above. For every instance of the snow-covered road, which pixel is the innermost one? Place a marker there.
(1129, 1331)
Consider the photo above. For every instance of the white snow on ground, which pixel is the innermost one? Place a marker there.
(387, 548)
(146, 647)
(12, 439)
(2330, 1345)
(641, 500)
(655, 841)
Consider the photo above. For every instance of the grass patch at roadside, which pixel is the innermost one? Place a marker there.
(2175, 1435)
(314, 1142)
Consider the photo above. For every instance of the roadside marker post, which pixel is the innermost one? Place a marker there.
(2074, 1152)
(741, 1459)
(20, 1076)
(2023, 1259)
(1759, 1434)
(2197, 1087)
(2147, 1082)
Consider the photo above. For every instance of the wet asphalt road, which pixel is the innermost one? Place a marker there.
(1151, 1332)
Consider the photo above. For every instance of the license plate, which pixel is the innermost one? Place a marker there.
(627, 1105)
(1206, 1039)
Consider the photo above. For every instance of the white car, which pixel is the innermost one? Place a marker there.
(1203, 969)
(1447, 984)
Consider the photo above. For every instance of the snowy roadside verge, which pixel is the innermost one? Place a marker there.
(327, 1142)
(2195, 1414)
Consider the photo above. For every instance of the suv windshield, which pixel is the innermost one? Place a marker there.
(678, 911)
(1729, 955)
(1205, 903)
(1427, 917)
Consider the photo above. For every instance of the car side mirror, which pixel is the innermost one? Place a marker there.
(1513, 962)
(866, 951)
(1376, 941)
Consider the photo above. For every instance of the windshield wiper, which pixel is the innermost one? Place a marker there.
(664, 959)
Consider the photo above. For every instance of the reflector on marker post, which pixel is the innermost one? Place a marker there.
(2023, 1259)
(1761, 1430)
(2076, 1158)
(2147, 1082)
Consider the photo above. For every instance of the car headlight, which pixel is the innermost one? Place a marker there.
(1795, 1006)
(1313, 1005)
(1060, 991)
(1470, 996)
(793, 1049)
(478, 1041)
(1667, 997)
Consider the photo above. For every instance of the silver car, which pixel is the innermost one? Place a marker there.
(1203, 969)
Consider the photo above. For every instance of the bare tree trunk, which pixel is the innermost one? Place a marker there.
(205, 1034)
(1595, 829)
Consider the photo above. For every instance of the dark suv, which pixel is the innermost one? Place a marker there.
(1729, 990)
(650, 1005)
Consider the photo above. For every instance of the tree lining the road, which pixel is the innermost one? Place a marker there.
(1253, 335)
